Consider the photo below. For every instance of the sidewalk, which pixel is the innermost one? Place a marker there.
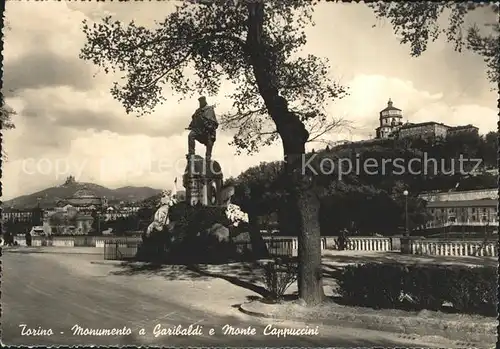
(469, 328)
(54, 249)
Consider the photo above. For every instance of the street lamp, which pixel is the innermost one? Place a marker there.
(405, 193)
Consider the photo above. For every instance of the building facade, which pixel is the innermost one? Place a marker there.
(426, 130)
(462, 129)
(463, 213)
(465, 195)
(17, 215)
(390, 120)
(114, 212)
(471, 208)
(85, 201)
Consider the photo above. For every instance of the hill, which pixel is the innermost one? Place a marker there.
(371, 198)
(48, 197)
(152, 201)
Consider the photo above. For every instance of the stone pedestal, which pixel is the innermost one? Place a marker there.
(406, 245)
(203, 181)
(396, 243)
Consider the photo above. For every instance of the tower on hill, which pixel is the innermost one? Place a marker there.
(70, 180)
(390, 120)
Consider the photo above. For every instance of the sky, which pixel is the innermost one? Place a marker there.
(67, 122)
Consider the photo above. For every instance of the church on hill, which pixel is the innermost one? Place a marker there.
(391, 126)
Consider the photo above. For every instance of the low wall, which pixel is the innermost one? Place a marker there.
(288, 245)
(358, 243)
(435, 247)
(454, 248)
(21, 241)
(76, 241)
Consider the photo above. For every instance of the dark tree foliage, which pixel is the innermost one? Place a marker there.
(6, 116)
(364, 198)
(6, 123)
(418, 22)
(258, 190)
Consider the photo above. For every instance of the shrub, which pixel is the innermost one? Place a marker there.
(474, 290)
(279, 275)
(372, 284)
(469, 290)
(427, 287)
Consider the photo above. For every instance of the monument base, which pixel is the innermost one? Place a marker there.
(203, 181)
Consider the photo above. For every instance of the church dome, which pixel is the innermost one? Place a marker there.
(390, 106)
(84, 197)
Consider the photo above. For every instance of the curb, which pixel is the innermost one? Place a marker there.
(254, 313)
(107, 262)
(443, 328)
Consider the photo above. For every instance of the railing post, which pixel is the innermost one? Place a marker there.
(490, 250)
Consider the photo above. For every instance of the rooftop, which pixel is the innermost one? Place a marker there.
(463, 127)
(463, 203)
(390, 106)
(16, 210)
(428, 123)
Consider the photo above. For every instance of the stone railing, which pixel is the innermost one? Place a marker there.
(288, 245)
(358, 243)
(21, 241)
(454, 248)
(378, 244)
(72, 241)
(62, 242)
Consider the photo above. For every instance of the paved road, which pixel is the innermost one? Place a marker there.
(41, 291)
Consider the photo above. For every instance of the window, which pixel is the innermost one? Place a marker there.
(473, 218)
(473, 210)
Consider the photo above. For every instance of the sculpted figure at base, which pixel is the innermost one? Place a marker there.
(203, 127)
(161, 219)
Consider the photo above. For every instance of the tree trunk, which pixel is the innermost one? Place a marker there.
(259, 248)
(306, 202)
(294, 136)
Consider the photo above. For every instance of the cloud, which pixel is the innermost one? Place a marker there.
(369, 95)
(117, 160)
(46, 69)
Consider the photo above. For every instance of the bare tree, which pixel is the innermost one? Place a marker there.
(6, 122)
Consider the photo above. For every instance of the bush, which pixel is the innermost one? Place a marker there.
(375, 285)
(427, 287)
(279, 275)
(469, 290)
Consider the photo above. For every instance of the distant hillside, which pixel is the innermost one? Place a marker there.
(48, 197)
(152, 201)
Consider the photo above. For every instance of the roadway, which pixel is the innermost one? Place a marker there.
(57, 292)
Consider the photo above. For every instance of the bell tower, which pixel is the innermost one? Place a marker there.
(390, 120)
